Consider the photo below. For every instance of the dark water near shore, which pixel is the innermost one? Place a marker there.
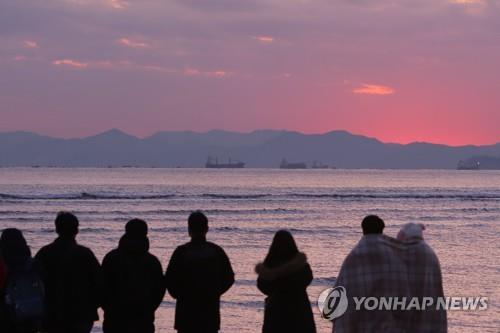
(323, 208)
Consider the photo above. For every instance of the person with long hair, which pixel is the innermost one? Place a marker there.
(284, 277)
(22, 292)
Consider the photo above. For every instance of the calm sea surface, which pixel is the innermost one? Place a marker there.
(322, 208)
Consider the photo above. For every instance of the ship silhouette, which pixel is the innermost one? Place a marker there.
(470, 164)
(287, 165)
(319, 165)
(230, 165)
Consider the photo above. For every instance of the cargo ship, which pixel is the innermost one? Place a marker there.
(287, 165)
(470, 164)
(230, 165)
(319, 165)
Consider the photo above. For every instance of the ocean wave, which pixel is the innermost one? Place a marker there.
(464, 196)
(243, 304)
(311, 196)
(326, 282)
(236, 196)
(86, 196)
(121, 215)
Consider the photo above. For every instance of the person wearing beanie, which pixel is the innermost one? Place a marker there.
(134, 286)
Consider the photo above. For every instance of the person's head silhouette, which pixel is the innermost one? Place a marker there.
(197, 225)
(136, 228)
(14, 248)
(282, 249)
(66, 225)
(372, 224)
(135, 240)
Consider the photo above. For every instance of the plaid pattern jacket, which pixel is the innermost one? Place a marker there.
(381, 266)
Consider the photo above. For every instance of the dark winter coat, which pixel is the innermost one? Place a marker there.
(3, 274)
(197, 276)
(287, 309)
(73, 282)
(3, 281)
(134, 287)
(23, 264)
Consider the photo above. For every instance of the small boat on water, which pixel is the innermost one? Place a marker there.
(230, 165)
(468, 165)
(287, 165)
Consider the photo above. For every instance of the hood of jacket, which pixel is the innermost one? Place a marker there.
(134, 245)
(295, 264)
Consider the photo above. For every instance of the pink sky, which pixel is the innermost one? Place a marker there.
(401, 71)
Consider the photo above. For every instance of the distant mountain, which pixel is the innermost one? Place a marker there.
(265, 148)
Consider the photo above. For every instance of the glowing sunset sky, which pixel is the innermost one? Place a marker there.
(401, 71)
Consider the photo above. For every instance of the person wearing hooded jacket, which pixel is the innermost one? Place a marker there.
(284, 277)
(134, 283)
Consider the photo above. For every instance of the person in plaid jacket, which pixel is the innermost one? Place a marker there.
(381, 266)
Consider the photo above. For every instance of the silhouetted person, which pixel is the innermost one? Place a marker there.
(284, 277)
(134, 283)
(72, 279)
(22, 290)
(3, 281)
(375, 267)
(198, 274)
(372, 225)
(3, 273)
(425, 280)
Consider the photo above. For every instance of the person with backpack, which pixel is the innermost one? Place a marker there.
(73, 281)
(22, 294)
(284, 277)
(198, 274)
(134, 283)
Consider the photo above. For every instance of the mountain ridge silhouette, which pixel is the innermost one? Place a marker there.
(260, 148)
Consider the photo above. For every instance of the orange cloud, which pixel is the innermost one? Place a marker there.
(29, 44)
(264, 39)
(130, 43)
(70, 62)
(373, 89)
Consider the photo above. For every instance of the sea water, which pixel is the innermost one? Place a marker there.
(322, 208)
